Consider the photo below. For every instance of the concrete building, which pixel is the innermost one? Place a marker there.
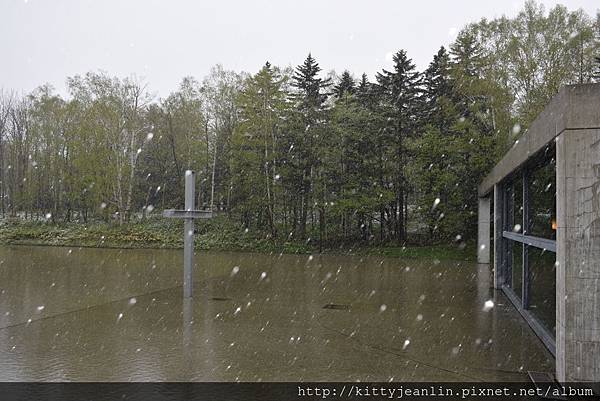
(545, 229)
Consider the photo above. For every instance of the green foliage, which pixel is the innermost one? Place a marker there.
(399, 93)
(255, 159)
(217, 234)
(537, 52)
(346, 85)
(433, 253)
(285, 153)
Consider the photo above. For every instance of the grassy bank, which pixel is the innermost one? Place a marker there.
(217, 234)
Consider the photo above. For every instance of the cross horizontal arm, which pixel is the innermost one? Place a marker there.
(187, 214)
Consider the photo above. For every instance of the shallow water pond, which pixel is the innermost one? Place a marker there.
(86, 314)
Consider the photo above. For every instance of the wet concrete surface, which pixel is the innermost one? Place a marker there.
(77, 314)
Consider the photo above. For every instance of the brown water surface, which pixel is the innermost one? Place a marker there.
(81, 314)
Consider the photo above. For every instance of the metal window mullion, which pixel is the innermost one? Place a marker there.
(498, 239)
(525, 280)
(508, 222)
(502, 239)
(542, 243)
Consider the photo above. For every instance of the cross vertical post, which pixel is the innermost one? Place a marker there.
(188, 215)
(188, 235)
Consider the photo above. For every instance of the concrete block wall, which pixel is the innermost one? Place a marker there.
(498, 263)
(483, 231)
(578, 255)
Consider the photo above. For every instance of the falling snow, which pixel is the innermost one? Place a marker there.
(488, 305)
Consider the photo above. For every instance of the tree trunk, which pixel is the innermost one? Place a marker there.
(321, 228)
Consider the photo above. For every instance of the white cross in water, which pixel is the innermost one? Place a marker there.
(189, 214)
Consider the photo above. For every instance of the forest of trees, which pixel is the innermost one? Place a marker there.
(295, 151)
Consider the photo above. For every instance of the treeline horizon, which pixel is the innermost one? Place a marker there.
(292, 153)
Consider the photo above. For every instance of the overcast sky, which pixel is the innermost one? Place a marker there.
(44, 41)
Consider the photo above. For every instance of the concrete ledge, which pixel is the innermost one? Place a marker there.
(574, 107)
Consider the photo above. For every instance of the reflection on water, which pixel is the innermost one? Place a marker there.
(118, 315)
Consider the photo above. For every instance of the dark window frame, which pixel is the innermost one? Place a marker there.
(522, 302)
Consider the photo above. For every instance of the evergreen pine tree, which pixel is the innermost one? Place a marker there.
(437, 86)
(364, 84)
(310, 94)
(400, 92)
(310, 97)
(467, 55)
(447, 166)
(346, 85)
(365, 93)
(469, 87)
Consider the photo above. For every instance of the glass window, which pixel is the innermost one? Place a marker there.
(517, 206)
(542, 272)
(542, 195)
(539, 205)
(517, 267)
